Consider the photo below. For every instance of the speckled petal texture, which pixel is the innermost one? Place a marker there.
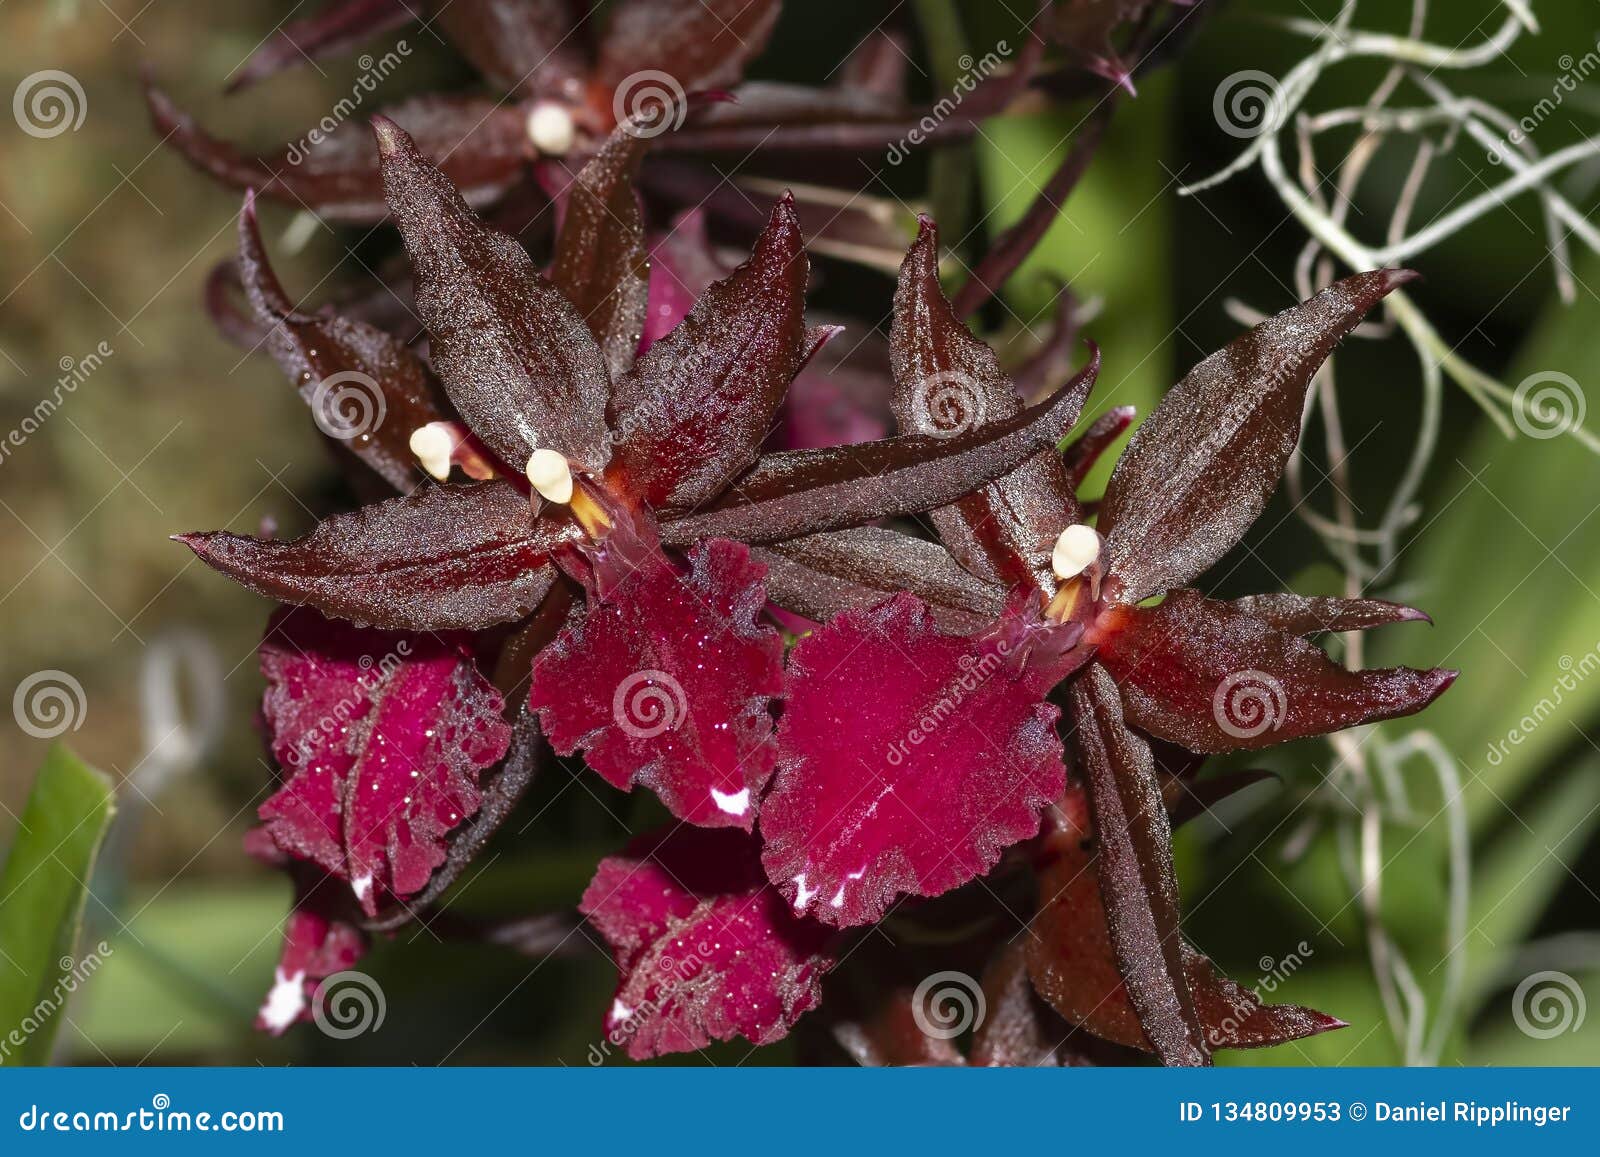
(380, 737)
(707, 949)
(666, 681)
(909, 760)
(1073, 967)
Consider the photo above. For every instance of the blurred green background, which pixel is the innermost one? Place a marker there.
(106, 239)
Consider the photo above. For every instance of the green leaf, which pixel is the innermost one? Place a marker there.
(1508, 568)
(42, 892)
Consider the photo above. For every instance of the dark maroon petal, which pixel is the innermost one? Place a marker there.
(694, 410)
(600, 262)
(766, 114)
(707, 948)
(1212, 677)
(380, 737)
(366, 389)
(481, 144)
(683, 265)
(516, 357)
(700, 44)
(339, 26)
(796, 492)
(666, 681)
(227, 309)
(1200, 469)
(947, 381)
(1311, 615)
(1084, 451)
(1017, 1030)
(320, 938)
(823, 574)
(521, 46)
(908, 762)
(445, 557)
(1135, 870)
(1074, 967)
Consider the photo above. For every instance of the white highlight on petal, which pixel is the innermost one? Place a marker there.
(549, 474)
(363, 886)
(802, 894)
(433, 445)
(1076, 550)
(286, 1001)
(734, 803)
(551, 129)
(619, 1011)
